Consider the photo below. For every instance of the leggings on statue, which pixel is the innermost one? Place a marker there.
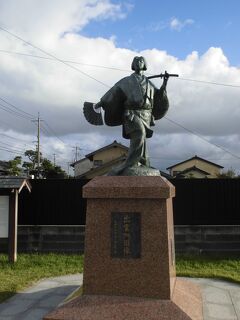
(137, 153)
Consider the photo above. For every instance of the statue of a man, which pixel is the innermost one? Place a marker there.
(135, 103)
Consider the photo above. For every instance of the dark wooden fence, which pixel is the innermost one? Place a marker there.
(207, 202)
(53, 202)
(197, 202)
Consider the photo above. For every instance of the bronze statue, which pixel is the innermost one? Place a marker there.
(135, 103)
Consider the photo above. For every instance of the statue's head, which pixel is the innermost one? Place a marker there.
(139, 63)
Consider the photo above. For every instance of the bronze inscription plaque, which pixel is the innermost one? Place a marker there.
(126, 235)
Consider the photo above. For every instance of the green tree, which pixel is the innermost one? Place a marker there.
(230, 173)
(31, 166)
(49, 171)
(15, 166)
(46, 169)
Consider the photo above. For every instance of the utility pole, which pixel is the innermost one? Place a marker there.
(76, 153)
(38, 145)
(54, 160)
(68, 169)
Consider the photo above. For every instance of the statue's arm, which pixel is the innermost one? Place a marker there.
(112, 104)
(106, 99)
(98, 105)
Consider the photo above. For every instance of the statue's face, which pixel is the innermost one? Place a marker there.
(140, 64)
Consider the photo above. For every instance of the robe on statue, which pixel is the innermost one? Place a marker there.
(135, 103)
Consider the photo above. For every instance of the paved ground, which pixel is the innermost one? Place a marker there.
(221, 299)
(37, 301)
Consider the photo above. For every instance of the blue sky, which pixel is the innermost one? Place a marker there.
(202, 24)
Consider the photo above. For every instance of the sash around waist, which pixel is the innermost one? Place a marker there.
(145, 107)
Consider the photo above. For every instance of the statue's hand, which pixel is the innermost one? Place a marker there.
(165, 79)
(97, 105)
(165, 75)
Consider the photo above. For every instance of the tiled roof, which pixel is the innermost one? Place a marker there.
(194, 168)
(4, 165)
(14, 183)
(107, 165)
(195, 158)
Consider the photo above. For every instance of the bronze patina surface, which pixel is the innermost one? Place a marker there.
(135, 103)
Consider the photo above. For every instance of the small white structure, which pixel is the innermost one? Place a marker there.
(10, 187)
(4, 209)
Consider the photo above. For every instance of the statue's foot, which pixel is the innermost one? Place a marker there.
(134, 171)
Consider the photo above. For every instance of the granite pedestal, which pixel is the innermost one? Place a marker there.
(129, 268)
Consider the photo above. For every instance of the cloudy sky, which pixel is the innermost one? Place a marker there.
(54, 55)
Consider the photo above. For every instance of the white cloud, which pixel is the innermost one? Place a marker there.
(178, 25)
(45, 21)
(58, 92)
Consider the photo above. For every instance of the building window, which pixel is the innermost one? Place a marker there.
(176, 172)
(97, 163)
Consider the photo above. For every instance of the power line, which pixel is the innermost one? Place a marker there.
(11, 151)
(116, 69)
(8, 124)
(84, 73)
(201, 137)
(68, 61)
(53, 56)
(18, 109)
(10, 145)
(11, 125)
(10, 137)
(43, 129)
(51, 131)
(12, 112)
(17, 150)
(54, 133)
(46, 131)
(210, 82)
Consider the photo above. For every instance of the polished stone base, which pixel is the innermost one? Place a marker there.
(129, 263)
(150, 273)
(186, 304)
